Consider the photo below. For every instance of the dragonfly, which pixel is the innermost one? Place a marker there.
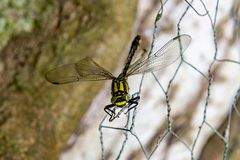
(87, 69)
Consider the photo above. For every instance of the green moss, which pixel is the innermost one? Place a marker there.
(44, 116)
(18, 16)
(8, 144)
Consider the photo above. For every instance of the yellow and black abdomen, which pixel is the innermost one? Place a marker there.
(120, 95)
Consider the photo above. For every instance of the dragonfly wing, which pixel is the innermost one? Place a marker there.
(63, 74)
(164, 57)
(84, 70)
(88, 69)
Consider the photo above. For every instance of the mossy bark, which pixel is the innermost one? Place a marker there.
(37, 118)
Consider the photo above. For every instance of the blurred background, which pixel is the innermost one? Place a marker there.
(190, 110)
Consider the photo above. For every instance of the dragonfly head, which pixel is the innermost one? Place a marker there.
(120, 100)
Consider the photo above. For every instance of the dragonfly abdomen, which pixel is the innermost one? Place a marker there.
(133, 49)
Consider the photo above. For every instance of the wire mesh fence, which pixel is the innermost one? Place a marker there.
(188, 110)
(128, 129)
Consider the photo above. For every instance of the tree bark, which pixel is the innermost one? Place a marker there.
(36, 118)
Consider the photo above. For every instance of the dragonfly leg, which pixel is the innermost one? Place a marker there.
(109, 109)
(133, 102)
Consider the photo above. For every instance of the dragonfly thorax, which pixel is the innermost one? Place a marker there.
(120, 95)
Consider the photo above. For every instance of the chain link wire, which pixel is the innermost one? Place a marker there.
(129, 127)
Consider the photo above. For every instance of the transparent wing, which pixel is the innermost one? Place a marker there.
(164, 57)
(84, 70)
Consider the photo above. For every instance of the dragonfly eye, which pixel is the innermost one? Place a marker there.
(120, 101)
(113, 100)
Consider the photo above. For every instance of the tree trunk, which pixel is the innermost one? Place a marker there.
(36, 117)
